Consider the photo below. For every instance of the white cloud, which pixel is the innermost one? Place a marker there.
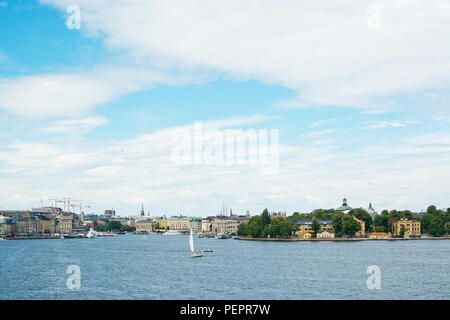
(314, 134)
(74, 126)
(322, 122)
(389, 123)
(324, 50)
(74, 93)
(122, 174)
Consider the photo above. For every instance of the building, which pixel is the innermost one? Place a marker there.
(179, 223)
(410, 227)
(278, 215)
(325, 234)
(307, 235)
(207, 225)
(196, 225)
(227, 224)
(379, 235)
(145, 226)
(362, 232)
(371, 211)
(110, 212)
(46, 225)
(344, 208)
(64, 224)
(304, 226)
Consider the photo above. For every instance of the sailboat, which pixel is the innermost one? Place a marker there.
(191, 245)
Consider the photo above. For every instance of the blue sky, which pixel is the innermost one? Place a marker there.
(362, 113)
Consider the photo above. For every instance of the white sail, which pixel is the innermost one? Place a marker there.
(191, 242)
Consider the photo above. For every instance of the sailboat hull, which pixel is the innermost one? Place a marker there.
(196, 255)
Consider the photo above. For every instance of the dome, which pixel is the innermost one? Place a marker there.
(344, 206)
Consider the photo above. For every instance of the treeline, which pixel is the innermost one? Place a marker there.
(343, 224)
(435, 222)
(113, 226)
(263, 226)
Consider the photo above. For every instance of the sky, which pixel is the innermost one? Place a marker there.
(356, 93)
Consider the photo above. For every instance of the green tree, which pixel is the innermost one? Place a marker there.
(254, 227)
(436, 227)
(338, 224)
(402, 231)
(114, 226)
(315, 226)
(363, 215)
(351, 226)
(432, 209)
(242, 230)
(380, 229)
(265, 218)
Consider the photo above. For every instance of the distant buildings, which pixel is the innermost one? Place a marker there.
(305, 230)
(110, 212)
(145, 226)
(325, 234)
(409, 227)
(379, 235)
(227, 224)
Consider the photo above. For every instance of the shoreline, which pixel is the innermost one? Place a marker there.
(338, 239)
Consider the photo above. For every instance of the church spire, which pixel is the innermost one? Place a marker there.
(142, 210)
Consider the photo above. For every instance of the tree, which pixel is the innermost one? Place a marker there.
(436, 227)
(242, 230)
(402, 231)
(363, 215)
(351, 226)
(114, 226)
(265, 218)
(280, 228)
(380, 229)
(338, 224)
(254, 227)
(432, 209)
(315, 226)
(391, 224)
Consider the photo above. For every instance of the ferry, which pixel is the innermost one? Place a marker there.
(106, 234)
(172, 233)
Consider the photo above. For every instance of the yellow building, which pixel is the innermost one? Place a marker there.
(411, 227)
(379, 235)
(46, 225)
(304, 226)
(162, 224)
(325, 234)
(179, 224)
(362, 232)
(307, 235)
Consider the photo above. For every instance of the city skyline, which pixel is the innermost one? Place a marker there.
(92, 112)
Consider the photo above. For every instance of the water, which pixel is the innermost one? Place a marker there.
(159, 267)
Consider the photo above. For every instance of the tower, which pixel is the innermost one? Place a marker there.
(142, 210)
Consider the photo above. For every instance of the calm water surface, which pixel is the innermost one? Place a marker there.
(159, 267)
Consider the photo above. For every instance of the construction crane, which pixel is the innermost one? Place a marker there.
(81, 208)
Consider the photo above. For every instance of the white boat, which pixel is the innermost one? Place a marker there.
(191, 245)
(172, 233)
(91, 233)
